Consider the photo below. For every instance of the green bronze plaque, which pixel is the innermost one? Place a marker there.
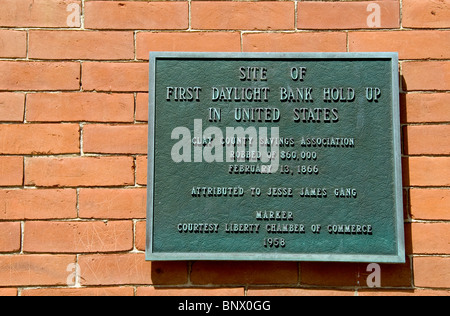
(274, 156)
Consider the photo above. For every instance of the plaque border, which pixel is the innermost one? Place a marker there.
(399, 257)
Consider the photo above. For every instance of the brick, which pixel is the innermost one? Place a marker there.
(392, 275)
(38, 204)
(80, 107)
(141, 170)
(142, 107)
(426, 107)
(426, 13)
(428, 171)
(431, 292)
(427, 44)
(426, 75)
(427, 140)
(8, 292)
(324, 273)
(385, 292)
(298, 292)
(295, 42)
(79, 171)
(415, 292)
(433, 272)
(10, 236)
(127, 77)
(187, 41)
(134, 15)
(24, 75)
(11, 171)
(431, 204)
(157, 291)
(12, 107)
(227, 15)
(140, 235)
(119, 139)
(78, 237)
(408, 238)
(13, 44)
(122, 269)
(91, 291)
(81, 45)
(430, 238)
(347, 15)
(38, 139)
(353, 274)
(36, 13)
(113, 203)
(239, 273)
(34, 270)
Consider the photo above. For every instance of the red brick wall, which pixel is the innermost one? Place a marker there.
(73, 137)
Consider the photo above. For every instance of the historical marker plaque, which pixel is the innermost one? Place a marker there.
(274, 157)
